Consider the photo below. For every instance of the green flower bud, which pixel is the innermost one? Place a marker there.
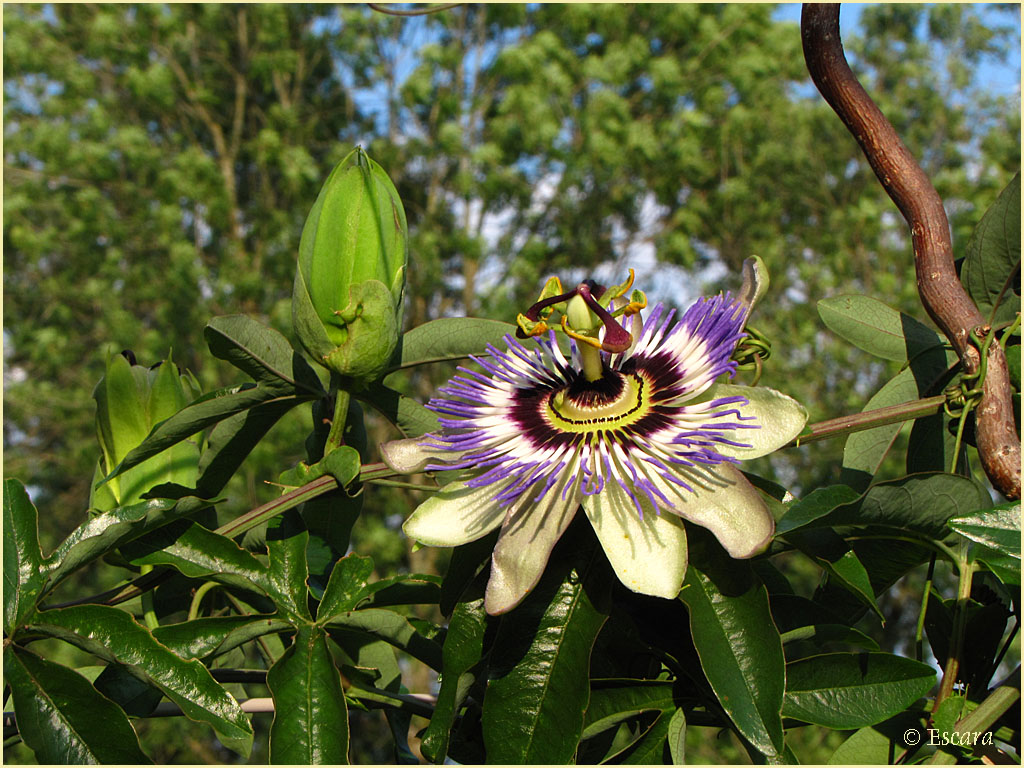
(347, 301)
(130, 401)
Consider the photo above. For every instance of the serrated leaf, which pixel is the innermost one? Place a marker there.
(58, 713)
(993, 256)
(463, 648)
(450, 338)
(997, 529)
(115, 636)
(845, 690)
(310, 715)
(740, 651)
(877, 328)
(24, 568)
(538, 688)
(262, 353)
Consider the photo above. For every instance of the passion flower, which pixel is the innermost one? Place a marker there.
(633, 426)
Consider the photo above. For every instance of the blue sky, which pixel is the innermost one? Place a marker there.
(999, 79)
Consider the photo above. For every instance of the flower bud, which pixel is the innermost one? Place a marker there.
(130, 401)
(347, 301)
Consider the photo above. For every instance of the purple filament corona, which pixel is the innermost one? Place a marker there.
(506, 424)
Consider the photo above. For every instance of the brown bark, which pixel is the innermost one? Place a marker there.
(941, 291)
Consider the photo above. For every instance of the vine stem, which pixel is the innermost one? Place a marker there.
(891, 414)
(951, 668)
(941, 291)
(984, 717)
(336, 436)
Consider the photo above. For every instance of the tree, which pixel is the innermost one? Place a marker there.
(160, 161)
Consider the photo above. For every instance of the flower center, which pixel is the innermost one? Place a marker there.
(615, 401)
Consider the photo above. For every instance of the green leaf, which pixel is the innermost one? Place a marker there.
(115, 636)
(649, 748)
(136, 697)
(921, 503)
(1005, 567)
(392, 628)
(740, 650)
(463, 648)
(262, 353)
(347, 583)
(877, 328)
(817, 503)
(676, 737)
(613, 701)
(232, 440)
(449, 338)
(830, 633)
(997, 528)
(538, 690)
(63, 718)
(865, 747)
(286, 544)
(412, 418)
(204, 412)
(1013, 363)
(198, 553)
(310, 716)
(404, 589)
(466, 562)
(931, 445)
(992, 263)
(864, 451)
(24, 568)
(853, 690)
(832, 553)
(205, 637)
(112, 529)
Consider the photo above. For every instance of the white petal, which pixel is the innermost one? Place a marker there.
(724, 502)
(528, 535)
(649, 554)
(455, 515)
(780, 418)
(408, 456)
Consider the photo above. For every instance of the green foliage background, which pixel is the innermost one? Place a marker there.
(159, 162)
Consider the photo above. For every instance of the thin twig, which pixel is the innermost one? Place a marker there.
(941, 291)
(380, 8)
